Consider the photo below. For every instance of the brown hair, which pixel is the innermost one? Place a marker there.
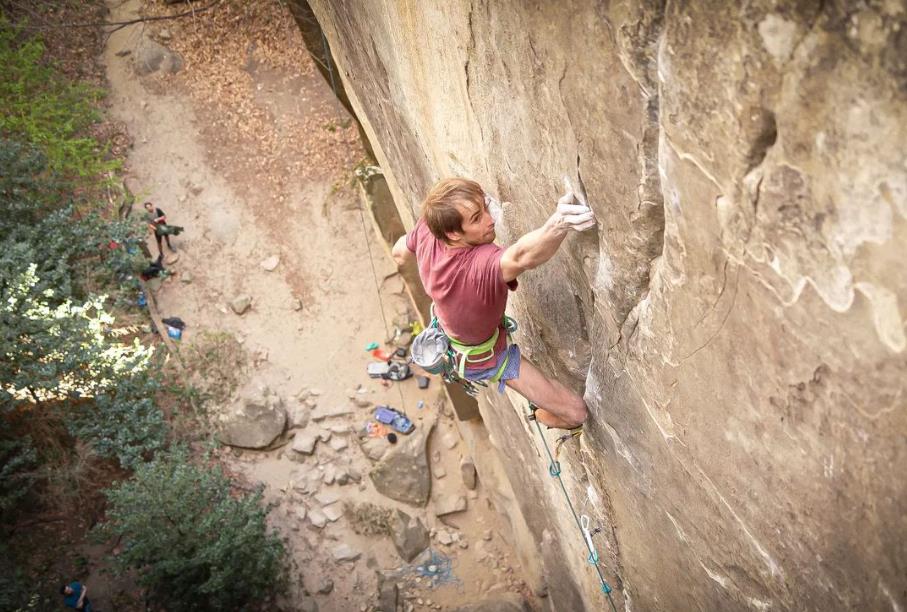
(440, 206)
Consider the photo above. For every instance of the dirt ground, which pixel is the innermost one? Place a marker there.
(247, 148)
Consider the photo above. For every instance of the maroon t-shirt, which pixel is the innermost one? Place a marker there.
(467, 287)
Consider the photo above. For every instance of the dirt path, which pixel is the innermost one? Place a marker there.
(242, 201)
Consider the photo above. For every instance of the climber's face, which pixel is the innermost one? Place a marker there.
(478, 226)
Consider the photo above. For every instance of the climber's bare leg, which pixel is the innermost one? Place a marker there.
(558, 406)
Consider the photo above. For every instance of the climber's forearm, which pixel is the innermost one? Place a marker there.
(535, 248)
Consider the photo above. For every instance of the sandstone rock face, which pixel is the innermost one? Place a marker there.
(736, 320)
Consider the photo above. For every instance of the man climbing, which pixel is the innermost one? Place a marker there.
(468, 278)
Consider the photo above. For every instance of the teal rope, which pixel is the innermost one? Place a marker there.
(554, 469)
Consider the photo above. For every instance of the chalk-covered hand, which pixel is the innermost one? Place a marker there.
(574, 215)
(494, 208)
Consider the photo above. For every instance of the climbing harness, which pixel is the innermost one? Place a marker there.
(438, 353)
(554, 469)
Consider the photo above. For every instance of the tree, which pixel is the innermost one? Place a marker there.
(62, 357)
(194, 544)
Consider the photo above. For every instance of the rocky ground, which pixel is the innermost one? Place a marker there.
(282, 284)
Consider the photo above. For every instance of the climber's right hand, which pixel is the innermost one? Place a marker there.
(574, 215)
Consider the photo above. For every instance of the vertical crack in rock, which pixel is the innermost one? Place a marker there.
(637, 43)
(470, 48)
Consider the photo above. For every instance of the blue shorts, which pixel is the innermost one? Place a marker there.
(511, 370)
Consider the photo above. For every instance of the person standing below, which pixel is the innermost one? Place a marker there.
(157, 223)
(468, 278)
(74, 596)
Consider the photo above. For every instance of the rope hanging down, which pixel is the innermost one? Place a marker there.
(554, 469)
(368, 248)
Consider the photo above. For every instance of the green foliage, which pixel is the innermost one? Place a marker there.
(17, 464)
(15, 591)
(42, 224)
(194, 545)
(41, 107)
(62, 354)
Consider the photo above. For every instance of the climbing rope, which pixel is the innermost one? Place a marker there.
(368, 248)
(554, 469)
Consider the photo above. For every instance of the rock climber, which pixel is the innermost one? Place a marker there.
(468, 278)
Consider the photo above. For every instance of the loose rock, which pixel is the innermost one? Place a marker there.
(317, 518)
(410, 536)
(343, 552)
(450, 504)
(240, 304)
(299, 415)
(338, 444)
(468, 473)
(305, 442)
(325, 586)
(270, 264)
(333, 512)
(327, 497)
(374, 448)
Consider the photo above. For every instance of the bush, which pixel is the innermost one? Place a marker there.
(61, 356)
(193, 544)
(43, 108)
(17, 464)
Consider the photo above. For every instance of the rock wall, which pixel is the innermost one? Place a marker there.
(736, 323)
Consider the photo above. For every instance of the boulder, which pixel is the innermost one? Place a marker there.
(254, 421)
(410, 535)
(151, 56)
(403, 473)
